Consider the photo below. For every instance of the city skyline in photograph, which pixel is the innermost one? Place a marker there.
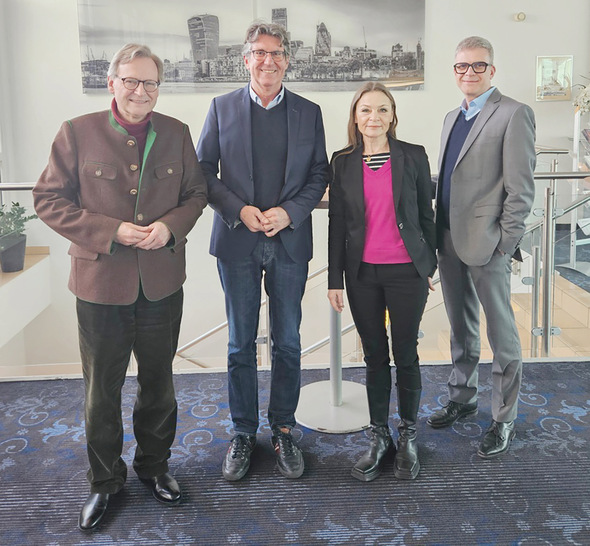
(335, 42)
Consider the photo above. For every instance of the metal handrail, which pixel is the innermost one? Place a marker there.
(559, 176)
(326, 341)
(562, 175)
(540, 150)
(4, 186)
(538, 176)
(13, 187)
(223, 325)
(551, 176)
(548, 259)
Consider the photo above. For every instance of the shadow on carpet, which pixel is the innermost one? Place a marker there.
(538, 493)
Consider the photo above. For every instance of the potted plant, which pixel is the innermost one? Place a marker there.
(13, 240)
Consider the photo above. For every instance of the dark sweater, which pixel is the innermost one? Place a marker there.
(454, 145)
(137, 130)
(269, 153)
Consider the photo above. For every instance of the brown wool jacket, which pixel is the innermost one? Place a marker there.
(94, 181)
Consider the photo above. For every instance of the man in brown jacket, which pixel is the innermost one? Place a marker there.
(125, 187)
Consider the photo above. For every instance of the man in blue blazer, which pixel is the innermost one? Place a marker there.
(263, 153)
(485, 192)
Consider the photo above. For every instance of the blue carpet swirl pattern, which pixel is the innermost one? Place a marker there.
(537, 494)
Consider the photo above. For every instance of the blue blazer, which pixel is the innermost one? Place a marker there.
(225, 148)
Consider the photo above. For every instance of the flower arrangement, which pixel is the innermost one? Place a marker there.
(582, 100)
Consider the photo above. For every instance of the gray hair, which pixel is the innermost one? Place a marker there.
(475, 42)
(257, 29)
(133, 51)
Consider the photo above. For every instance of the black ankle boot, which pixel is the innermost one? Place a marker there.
(407, 465)
(368, 466)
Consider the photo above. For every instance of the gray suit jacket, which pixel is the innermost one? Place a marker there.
(492, 185)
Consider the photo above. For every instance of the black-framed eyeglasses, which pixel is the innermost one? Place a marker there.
(260, 54)
(131, 83)
(478, 67)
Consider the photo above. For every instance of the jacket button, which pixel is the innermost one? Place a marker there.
(133, 191)
(98, 172)
(140, 217)
(133, 167)
(400, 225)
(130, 143)
(169, 171)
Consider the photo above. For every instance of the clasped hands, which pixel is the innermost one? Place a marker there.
(150, 237)
(270, 221)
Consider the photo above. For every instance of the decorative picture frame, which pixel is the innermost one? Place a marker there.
(554, 77)
(338, 47)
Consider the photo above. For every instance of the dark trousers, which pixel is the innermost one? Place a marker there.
(399, 289)
(284, 283)
(108, 334)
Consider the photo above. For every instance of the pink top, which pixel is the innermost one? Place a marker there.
(383, 243)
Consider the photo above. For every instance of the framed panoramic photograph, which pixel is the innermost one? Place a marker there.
(554, 77)
(334, 43)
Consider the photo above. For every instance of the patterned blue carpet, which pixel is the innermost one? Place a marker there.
(536, 494)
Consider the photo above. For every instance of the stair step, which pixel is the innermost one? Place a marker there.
(571, 313)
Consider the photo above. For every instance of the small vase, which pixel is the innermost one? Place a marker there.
(12, 252)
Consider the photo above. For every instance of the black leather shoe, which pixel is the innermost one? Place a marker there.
(237, 459)
(496, 440)
(450, 414)
(368, 467)
(289, 456)
(93, 510)
(164, 488)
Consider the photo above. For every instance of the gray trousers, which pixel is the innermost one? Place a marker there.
(464, 287)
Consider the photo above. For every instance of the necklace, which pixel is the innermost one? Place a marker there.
(367, 159)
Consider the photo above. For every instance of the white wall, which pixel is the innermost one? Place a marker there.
(40, 86)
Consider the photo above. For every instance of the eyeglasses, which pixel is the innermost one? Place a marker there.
(260, 54)
(131, 83)
(478, 68)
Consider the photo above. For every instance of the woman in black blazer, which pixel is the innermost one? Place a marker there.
(382, 241)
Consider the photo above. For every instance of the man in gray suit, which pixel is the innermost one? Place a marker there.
(485, 192)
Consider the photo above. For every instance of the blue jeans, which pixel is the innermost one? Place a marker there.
(284, 282)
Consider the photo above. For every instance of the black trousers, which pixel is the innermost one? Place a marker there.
(399, 289)
(108, 334)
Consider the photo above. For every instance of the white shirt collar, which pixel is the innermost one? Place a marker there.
(274, 102)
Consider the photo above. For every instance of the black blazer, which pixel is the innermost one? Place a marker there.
(412, 197)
